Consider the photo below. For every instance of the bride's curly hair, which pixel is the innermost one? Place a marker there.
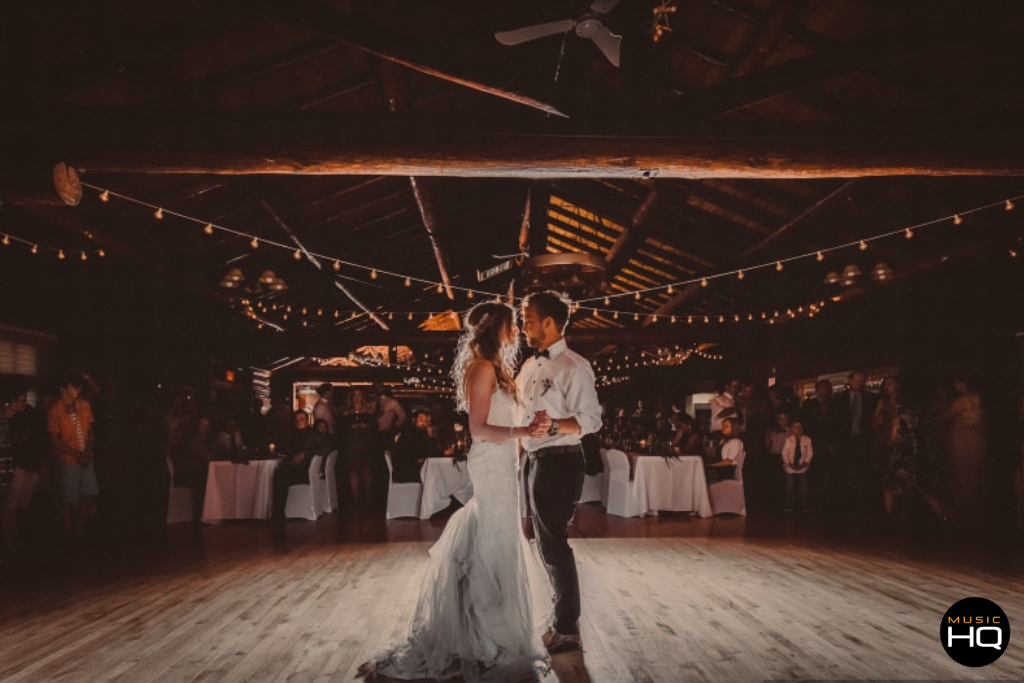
(481, 339)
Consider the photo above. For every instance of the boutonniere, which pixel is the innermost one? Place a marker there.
(547, 384)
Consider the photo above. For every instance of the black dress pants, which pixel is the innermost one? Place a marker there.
(556, 482)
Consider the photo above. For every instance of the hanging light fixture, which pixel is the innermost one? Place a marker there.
(233, 279)
(881, 272)
(267, 278)
(832, 278)
(850, 274)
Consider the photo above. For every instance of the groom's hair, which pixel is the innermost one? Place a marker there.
(550, 304)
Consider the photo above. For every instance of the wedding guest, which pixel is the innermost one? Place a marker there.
(724, 405)
(797, 452)
(966, 449)
(191, 464)
(21, 445)
(778, 434)
(727, 452)
(323, 409)
(304, 444)
(687, 440)
(888, 458)
(231, 442)
(852, 412)
(69, 424)
(818, 424)
(360, 434)
(413, 446)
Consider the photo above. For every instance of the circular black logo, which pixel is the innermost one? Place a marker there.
(975, 632)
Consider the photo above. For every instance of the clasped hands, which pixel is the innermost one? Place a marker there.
(540, 424)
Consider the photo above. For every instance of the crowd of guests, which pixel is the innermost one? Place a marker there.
(851, 453)
(359, 425)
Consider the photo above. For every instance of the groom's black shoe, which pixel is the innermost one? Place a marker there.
(556, 642)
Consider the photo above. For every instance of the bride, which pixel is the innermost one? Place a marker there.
(475, 616)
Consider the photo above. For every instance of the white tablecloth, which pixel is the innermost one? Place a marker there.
(675, 485)
(442, 479)
(239, 491)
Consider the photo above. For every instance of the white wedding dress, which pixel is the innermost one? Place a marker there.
(485, 598)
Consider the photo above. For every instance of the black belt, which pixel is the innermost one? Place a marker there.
(556, 450)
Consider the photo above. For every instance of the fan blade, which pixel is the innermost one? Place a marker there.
(603, 6)
(609, 44)
(528, 33)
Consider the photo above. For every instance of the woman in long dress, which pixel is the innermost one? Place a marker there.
(475, 616)
(966, 449)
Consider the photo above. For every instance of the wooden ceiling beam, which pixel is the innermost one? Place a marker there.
(232, 143)
(398, 49)
(770, 32)
(634, 234)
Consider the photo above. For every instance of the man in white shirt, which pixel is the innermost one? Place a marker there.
(558, 385)
(724, 405)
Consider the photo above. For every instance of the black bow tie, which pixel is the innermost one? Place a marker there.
(542, 354)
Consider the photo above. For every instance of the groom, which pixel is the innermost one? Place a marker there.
(557, 386)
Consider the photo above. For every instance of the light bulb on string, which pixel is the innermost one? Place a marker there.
(297, 254)
(689, 320)
(957, 220)
(671, 290)
(373, 274)
(337, 265)
(707, 320)
(469, 294)
(908, 233)
(616, 316)
(158, 214)
(101, 253)
(607, 301)
(863, 245)
(408, 282)
(105, 196)
(740, 275)
(636, 297)
(254, 244)
(778, 266)
(208, 229)
(703, 282)
(84, 256)
(1008, 206)
(820, 256)
(673, 320)
(654, 318)
(440, 288)
(410, 316)
(7, 240)
(60, 255)
(636, 316)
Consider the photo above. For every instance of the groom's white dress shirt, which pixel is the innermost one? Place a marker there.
(562, 385)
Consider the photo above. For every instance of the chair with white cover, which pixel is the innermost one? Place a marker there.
(180, 506)
(593, 488)
(727, 496)
(305, 500)
(330, 497)
(623, 498)
(403, 497)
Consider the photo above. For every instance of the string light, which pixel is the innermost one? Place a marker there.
(440, 288)
(607, 301)
(254, 244)
(703, 282)
(909, 234)
(337, 266)
(671, 290)
(297, 254)
(469, 294)
(208, 229)
(159, 214)
(408, 282)
(740, 275)
(778, 266)
(820, 257)
(957, 220)
(7, 243)
(101, 253)
(373, 274)
(636, 297)
(1009, 205)
(84, 256)
(60, 255)
(863, 245)
(105, 196)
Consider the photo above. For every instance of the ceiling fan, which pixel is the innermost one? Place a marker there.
(587, 25)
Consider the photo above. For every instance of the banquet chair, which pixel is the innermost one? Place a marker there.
(727, 496)
(305, 500)
(330, 498)
(179, 504)
(623, 496)
(403, 498)
(593, 488)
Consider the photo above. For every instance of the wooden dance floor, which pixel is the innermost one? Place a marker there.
(664, 599)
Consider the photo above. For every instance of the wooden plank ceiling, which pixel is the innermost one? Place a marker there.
(884, 70)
